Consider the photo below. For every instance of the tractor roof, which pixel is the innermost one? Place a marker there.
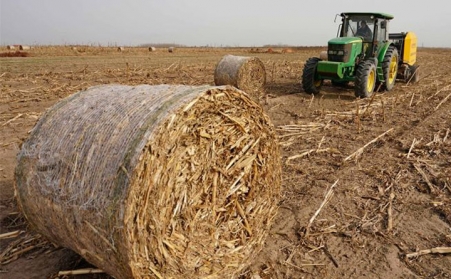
(378, 15)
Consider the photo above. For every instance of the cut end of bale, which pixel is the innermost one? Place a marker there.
(245, 73)
(180, 182)
(214, 182)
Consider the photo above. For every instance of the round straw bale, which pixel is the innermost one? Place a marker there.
(152, 49)
(245, 73)
(120, 49)
(10, 47)
(21, 47)
(171, 49)
(163, 181)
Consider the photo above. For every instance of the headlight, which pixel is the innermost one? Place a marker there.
(340, 52)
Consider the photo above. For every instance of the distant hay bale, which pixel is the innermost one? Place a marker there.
(245, 73)
(120, 49)
(274, 51)
(22, 47)
(152, 49)
(10, 47)
(171, 49)
(164, 181)
(74, 48)
(255, 50)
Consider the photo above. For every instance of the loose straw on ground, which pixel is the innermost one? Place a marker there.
(81, 271)
(20, 246)
(425, 177)
(443, 101)
(445, 88)
(390, 211)
(436, 250)
(317, 150)
(327, 198)
(411, 147)
(308, 152)
(360, 150)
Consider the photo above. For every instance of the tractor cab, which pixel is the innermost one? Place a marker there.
(352, 24)
(371, 28)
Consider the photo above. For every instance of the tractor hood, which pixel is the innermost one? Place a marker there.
(345, 40)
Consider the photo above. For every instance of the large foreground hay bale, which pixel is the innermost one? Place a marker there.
(153, 181)
(245, 73)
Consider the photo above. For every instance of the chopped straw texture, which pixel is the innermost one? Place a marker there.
(245, 73)
(148, 181)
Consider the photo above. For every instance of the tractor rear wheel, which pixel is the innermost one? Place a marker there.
(390, 67)
(310, 84)
(365, 79)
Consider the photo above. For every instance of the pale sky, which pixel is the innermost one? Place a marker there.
(209, 22)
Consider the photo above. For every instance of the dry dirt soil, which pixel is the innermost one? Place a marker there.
(366, 182)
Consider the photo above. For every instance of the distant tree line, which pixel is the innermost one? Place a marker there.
(277, 45)
(163, 45)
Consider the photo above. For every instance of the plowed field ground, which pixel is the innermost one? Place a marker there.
(366, 182)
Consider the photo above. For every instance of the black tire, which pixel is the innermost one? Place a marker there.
(414, 74)
(310, 84)
(365, 79)
(390, 68)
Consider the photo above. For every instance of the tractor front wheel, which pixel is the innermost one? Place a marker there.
(390, 67)
(310, 84)
(365, 79)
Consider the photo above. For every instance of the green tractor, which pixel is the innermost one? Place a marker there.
(364, 53)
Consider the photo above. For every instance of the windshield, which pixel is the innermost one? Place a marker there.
(358, 26)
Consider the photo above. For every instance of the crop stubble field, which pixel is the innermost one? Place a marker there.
(366, 182)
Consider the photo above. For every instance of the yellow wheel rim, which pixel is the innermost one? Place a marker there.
(371, 81)
(392, 72)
